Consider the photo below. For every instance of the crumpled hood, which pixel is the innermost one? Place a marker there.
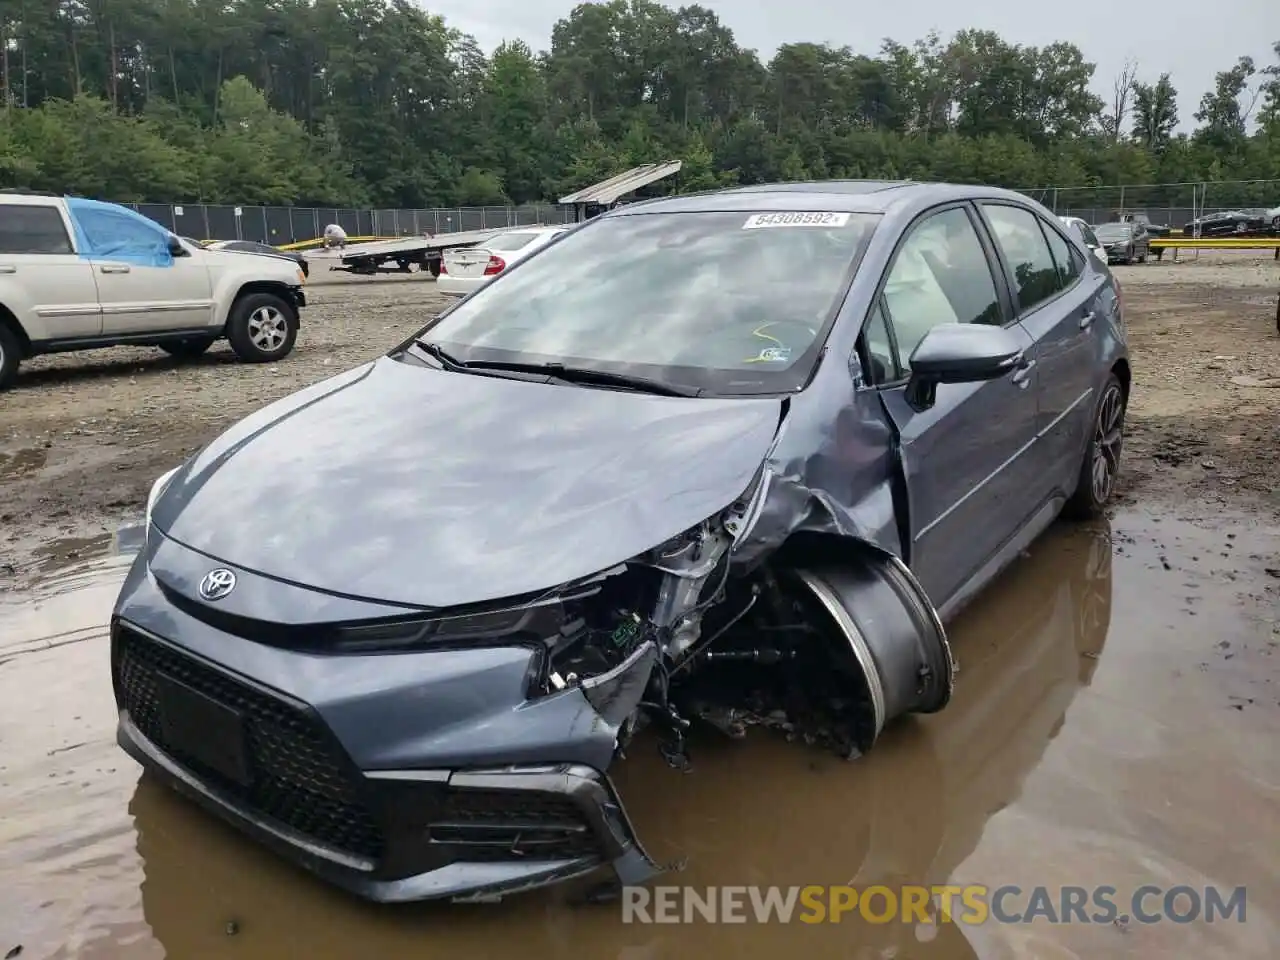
(410, 485)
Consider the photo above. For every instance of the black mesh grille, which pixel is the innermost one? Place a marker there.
(513, 824)
(299, 776)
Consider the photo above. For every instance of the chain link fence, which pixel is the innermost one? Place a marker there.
(1171, 204)
(1167, 204)
(284, 225)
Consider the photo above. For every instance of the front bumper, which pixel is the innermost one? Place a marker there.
(390, 776)
(299, 297)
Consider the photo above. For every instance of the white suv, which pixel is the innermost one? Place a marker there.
(78, 274)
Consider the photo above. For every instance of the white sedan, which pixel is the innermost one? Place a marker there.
(1084, 233)
(467, 268)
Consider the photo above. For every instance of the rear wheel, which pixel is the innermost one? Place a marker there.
(1101, 465)
(262, 327)
(10, 356)
(187, 349)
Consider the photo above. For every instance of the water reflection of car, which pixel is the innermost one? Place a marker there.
(587, 499)
(464, 269)
(266, 250)
(912, 812)
(1124, 242)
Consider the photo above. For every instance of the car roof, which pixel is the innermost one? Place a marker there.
(15, 198)
(853, 196)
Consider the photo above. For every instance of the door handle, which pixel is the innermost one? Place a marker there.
(1022, 375)
(114, 268)
(1087, 320)
(8, 268)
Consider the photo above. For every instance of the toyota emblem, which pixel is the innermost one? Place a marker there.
(217, 584)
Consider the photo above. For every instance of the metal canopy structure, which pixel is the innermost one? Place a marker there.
(607, 192)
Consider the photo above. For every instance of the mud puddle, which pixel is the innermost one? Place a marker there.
(1115, 722)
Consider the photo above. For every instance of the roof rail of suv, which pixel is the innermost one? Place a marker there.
(28, 193)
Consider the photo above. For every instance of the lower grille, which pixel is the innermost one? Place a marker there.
(512, 825)
(299, 776)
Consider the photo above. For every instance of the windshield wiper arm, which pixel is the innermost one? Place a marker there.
(587, 375)
(438, 353)
(558, 371)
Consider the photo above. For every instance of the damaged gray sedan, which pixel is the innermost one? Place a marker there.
(730, 458)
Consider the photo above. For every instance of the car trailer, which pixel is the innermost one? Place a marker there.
(401, 256)
(600, 197)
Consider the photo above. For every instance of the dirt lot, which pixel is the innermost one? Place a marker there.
(83, 435)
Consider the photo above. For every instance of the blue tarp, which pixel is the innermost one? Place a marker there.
(107, 231)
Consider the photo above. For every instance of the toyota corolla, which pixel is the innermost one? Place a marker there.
(728, 459)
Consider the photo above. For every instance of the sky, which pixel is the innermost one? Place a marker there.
(1191, 41)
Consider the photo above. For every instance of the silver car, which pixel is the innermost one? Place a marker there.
(729, 459)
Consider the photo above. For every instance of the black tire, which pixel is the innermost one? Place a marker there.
(187, 349)
(10, 356)
(262, 327)
(1106, 442)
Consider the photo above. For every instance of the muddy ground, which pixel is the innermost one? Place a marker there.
(82, 436)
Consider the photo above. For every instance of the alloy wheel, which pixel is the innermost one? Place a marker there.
(1108, 437)
(268, 329)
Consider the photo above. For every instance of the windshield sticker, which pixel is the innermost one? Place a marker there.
(758, 221)
(772, 355)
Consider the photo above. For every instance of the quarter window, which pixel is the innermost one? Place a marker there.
(1023, 244)
(881, 359)
(33, 229)
(940, 274)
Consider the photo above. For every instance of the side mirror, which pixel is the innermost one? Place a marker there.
(960, 353)
(176, 248)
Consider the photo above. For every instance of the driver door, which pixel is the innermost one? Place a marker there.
(969, 472)
(142, 287)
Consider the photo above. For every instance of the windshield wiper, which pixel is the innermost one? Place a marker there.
(604, 378)
(559, 371)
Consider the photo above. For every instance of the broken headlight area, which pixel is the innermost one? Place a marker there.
(823, 649)
(827, 653)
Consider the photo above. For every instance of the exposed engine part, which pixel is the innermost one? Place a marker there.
(687, 567)
(689, 562)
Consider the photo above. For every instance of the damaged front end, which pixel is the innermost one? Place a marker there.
(826, 647)
(462, 753)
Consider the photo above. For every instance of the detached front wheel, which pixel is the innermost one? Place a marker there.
(262, 327)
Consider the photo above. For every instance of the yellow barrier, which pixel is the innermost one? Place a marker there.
(1217, 243)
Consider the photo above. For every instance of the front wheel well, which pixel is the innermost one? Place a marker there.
(9, 321)
(1121, 369)
(807, 547)
(273, 287)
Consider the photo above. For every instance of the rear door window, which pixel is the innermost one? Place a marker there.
(1026, 251)
(36, 229)
(1069, 262)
